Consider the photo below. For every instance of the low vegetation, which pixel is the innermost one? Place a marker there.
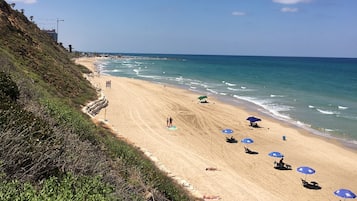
(49, 150)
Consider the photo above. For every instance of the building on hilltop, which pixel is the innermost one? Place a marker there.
(52, 33)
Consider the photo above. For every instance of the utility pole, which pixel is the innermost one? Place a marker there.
(58, 20)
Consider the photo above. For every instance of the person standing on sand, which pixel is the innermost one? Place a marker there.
(170, 121)
(167, 122)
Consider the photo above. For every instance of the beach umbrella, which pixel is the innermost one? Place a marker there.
(247, 141)
(227, 131)
(306, 170)
(202, 97)
(276, 154)
(345, 193)
(253, 119)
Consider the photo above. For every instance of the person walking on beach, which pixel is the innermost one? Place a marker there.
(167, 122)
(170, 121)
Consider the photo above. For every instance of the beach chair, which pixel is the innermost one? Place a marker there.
(282, 166)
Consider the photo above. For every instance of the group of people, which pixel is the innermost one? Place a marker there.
(169, 121)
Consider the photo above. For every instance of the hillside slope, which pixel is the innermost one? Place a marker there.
(49, 150)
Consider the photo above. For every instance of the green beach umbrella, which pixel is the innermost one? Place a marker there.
(202, 97)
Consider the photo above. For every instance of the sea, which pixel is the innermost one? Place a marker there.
(316, 94)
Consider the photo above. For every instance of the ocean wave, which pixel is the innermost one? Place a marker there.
(232, 89)
(179, 79)
(229, 84)
(212, 91)
(112, 71)
(268, 105)
(195, 83)
(153, 77)
(328, 112)
(276, 96)
(242, 89)
(299, 123)
(349, 117)
(328, 130)
(342, 107)
(311, 106)
(136, 71)
(200, 84)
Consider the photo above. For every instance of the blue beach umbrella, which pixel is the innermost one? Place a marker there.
(345, 193)
(227, 131)
(253, 119)
(305, 170)
(276, 154)
(247, 141)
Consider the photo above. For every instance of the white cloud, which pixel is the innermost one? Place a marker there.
(238, 13)
(23, 1)
(289, 10)
(291, 1)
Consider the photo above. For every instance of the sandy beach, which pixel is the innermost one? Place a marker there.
(138, 111)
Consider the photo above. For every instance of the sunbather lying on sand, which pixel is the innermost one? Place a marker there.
(211, 169)
(211, 197)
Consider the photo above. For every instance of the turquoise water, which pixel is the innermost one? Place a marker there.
(319, 94)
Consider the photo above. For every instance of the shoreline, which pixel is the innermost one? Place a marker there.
(196, 146)
(264, 112)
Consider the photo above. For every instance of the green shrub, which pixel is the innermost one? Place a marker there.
(70, 117)
(67, 188)
(8, 87)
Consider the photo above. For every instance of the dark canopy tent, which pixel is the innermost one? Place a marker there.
(253, 121)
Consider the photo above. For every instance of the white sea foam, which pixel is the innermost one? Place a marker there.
(342, 107)
(112, 71)
(223, 94)
(245, 89)
(230, 84)
(198, 83)
(195, 83)
(212, 91)
(329, 130)
(268, 105)
(328, 112)
(276, 96)
(150, 77)
(349, 117)
(179, 78)
(311, 106)
(299, 123)
(136, 71)
(232, 89)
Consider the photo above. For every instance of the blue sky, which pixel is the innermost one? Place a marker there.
(326, 28)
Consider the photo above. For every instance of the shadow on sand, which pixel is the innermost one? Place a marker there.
(231, 140)
(313, 185)
(248, 151)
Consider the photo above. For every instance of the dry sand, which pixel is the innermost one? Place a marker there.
(138, 110)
